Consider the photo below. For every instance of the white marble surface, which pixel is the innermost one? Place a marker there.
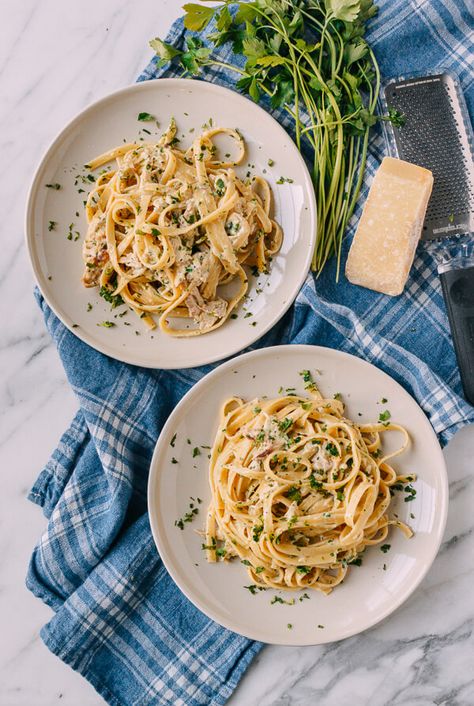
(55, 58)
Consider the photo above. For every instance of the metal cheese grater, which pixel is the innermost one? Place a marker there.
(437, 134)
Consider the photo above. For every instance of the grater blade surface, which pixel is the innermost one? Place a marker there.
(437, 135)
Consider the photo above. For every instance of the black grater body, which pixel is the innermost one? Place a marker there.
(437, 135)
(457, 280)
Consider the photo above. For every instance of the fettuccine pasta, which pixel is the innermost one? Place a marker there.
(298, 490)
(168, 227)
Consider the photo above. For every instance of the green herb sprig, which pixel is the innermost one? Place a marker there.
(310, 58)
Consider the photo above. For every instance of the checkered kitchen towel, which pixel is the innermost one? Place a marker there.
(119, 619)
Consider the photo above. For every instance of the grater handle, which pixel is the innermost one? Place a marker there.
(458, 292)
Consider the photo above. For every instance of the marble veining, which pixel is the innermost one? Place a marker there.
(55, 58)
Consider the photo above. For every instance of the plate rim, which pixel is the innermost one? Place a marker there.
(154, 475)
(40, 279)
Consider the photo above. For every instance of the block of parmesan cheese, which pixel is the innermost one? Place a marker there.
(384, 245)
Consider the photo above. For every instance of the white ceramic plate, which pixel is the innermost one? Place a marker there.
(370, 592)
(57, 261)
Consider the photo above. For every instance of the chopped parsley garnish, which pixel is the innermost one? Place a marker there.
(308, 380)
(114, 300)
(196, 452)
(210, 547)
(289, 626)
(246, 562)
(384, 417)
(174, 460)
(303, 569)
(106, 324)
(384, 400)
(340, 495)
(145, 117)
(252, 588)
(173, 440)
(52, 225)
(357, 561)
(220, 187)
(73, 234)
(221, 552)
(271, 162)
(410, 493)
(256, 532)
(315, 484)
(285, 424)
(293, 494)
(259, 569)
(188, 517)
(332, 449)
(278, 599)
(54, 186)
(385, 547)
(257, 410)
(89, 306)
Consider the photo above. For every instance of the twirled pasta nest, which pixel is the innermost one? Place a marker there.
(298, 490)
(168, 228)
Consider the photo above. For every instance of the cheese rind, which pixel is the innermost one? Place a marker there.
(389, 229)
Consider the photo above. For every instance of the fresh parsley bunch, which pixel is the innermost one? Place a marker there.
(310, 57)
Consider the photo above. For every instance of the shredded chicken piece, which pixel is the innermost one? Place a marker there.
(206, 314)
(194, 269)
(321, 460)
(94, 252)
(238, 229)
(269, 437)
(131, 260)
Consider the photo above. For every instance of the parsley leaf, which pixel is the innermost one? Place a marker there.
(165, 52)
(346, 10)
(197, 17)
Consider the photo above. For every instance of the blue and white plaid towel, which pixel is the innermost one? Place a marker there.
(119, 619)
